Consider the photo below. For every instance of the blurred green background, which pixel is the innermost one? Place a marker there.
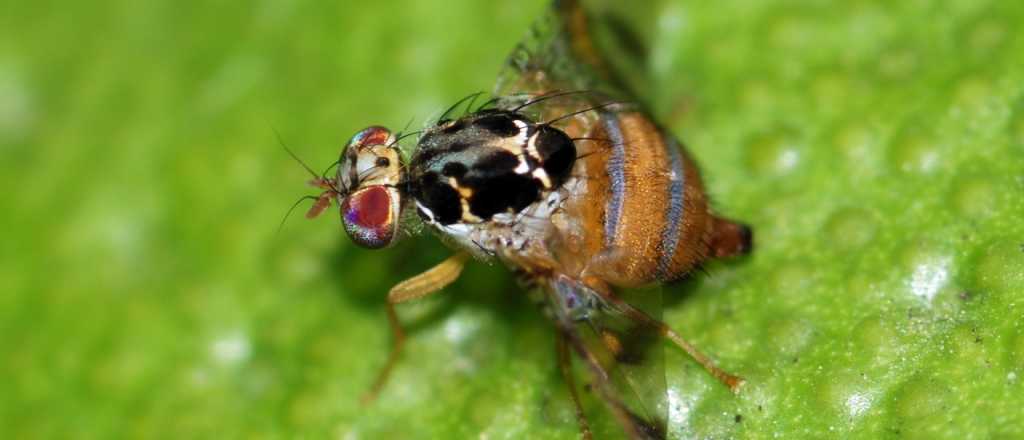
(877, 148)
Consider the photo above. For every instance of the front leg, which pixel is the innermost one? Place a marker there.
(419, 286)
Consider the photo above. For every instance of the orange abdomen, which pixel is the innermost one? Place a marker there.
(644, 209)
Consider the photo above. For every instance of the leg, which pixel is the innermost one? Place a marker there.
(397, 341)
(426, 283)
(635, 426)
(732, 381)
(565, 365)
(434, 279)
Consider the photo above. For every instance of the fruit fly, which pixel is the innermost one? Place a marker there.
(564, 180)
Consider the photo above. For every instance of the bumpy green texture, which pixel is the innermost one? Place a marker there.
(876, 147)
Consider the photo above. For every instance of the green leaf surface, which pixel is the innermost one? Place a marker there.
(876, 147)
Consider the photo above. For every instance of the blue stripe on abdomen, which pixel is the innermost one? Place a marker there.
(616, 169)
(676, 207)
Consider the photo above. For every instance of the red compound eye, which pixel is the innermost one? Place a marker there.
(370, 216)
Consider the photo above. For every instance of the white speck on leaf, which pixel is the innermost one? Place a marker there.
(928, 278)
(231, 348)
(858, 403)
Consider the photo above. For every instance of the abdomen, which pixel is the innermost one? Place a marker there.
(641, 205)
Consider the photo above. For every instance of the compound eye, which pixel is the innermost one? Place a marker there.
(373, 135)
(370, 216)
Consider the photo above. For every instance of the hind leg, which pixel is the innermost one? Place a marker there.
(565, 367)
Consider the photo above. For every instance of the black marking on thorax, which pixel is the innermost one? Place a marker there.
(487, 163)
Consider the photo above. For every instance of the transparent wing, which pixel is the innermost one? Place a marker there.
(562, 50)
(637, 367)
(623, 357)
(622, 34)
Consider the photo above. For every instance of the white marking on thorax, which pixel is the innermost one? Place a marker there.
(521, 140)
(542, 176)
(531, 147)
(524, 130)
(427, 212)
(506, 235)
(523, 167)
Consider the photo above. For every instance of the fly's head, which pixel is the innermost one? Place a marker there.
(367, 188)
